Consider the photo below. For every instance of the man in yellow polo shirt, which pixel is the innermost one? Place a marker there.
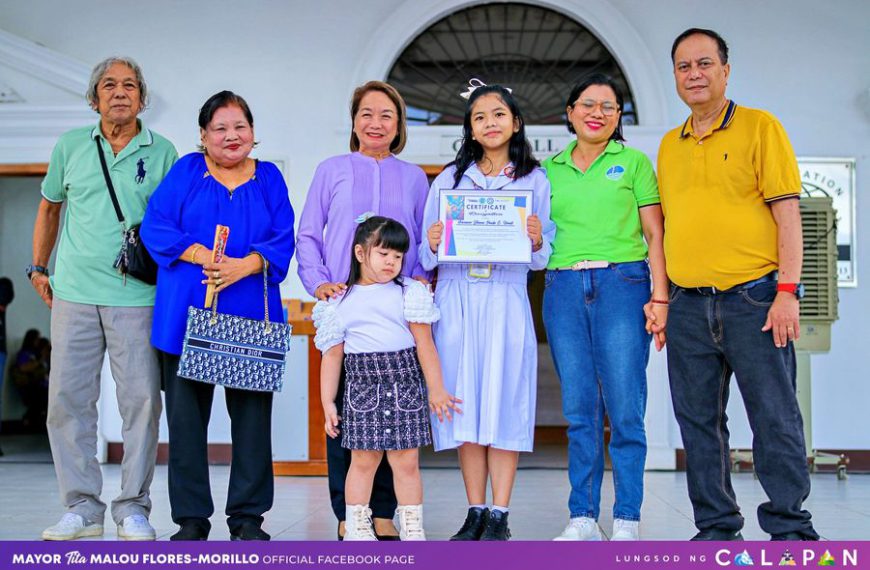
(729, 187)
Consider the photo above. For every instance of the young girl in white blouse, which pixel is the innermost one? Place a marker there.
(381, 330)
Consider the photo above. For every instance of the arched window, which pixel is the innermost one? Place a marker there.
(537, 52)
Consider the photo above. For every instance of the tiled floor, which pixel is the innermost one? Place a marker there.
(29, 502)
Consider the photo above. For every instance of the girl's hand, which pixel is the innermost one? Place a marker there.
(329, 290)
(230, 270)
(656, 322)
(534, 229)
(440, 402)
(330, 412)
(434, 235)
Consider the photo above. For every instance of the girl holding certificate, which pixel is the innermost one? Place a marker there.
(485, 338)
(606, 208)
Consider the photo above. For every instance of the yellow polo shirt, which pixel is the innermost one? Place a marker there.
(715, 192)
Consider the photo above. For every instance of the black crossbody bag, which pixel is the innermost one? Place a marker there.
(133, 259)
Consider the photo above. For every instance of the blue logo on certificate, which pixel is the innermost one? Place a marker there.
(615, 172)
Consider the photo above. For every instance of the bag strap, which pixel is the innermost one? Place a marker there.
(268, 327)
(109, 184)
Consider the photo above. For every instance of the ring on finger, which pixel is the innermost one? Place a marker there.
(216, 274)
(219, 281)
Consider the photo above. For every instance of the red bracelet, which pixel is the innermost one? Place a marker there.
(659, 302)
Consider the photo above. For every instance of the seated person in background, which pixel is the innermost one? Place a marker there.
(29, 372)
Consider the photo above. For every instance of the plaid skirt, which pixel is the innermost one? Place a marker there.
(386, 406)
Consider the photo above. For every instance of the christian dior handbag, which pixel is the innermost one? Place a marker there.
(235, 352)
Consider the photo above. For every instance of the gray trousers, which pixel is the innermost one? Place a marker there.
(80, 336)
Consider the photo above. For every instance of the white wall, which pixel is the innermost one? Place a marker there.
(296, 62)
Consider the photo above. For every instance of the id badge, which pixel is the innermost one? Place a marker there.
(480, 270)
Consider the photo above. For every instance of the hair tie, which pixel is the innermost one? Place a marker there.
(473, 84)
(364, 216)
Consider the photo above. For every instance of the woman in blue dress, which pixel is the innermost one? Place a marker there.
(220, 185)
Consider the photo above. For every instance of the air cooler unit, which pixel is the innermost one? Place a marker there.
(818, 311)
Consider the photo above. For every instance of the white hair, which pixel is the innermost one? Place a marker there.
(100, 70)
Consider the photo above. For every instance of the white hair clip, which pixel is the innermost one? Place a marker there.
(473, 84)
(364, 216)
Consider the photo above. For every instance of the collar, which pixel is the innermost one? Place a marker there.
(564, 157)
(501, 180)
(143, 138)
(724, 120)
(357, 154)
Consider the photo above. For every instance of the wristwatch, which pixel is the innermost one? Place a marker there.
(31, 269)
(796, 289)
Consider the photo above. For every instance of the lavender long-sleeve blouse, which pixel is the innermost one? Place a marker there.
(344, 188)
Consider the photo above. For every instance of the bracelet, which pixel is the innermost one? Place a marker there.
(196, 248)
(659, 302)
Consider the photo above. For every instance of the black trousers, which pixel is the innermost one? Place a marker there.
(188, 409)
(383, 501)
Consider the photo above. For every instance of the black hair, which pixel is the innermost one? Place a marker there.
(31, 338)
(587, 82)
(377, 231)
(519, 151)
(220, 100)
(720, 42)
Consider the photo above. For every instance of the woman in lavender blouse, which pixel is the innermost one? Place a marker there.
(347, 189)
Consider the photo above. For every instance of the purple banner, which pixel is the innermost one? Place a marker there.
(434, 555)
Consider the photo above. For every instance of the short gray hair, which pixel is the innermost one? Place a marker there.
(100, 70)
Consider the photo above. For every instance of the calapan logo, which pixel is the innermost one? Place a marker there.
(615, 172)
(847, 557)
(743, 559)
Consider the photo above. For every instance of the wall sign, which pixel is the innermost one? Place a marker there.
(835, 177)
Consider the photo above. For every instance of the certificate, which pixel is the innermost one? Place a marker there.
(484, 227)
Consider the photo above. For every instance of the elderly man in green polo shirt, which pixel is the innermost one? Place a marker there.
(95, 309)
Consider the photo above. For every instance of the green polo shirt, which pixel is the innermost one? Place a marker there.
(91, 235)
(596, 212)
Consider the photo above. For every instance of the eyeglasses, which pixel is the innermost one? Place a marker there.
(608, 108)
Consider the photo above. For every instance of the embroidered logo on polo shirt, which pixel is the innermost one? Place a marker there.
(615, 172)
(140, 171)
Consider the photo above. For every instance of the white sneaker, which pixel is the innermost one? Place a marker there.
(136, 527)
(411, 522)
(70, 527)
(625, 530)
(358, 523)
(581, 528)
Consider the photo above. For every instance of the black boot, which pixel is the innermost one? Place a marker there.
(249, 530)
(496, 527)
(794, 536)
(718, 534)
(192, 529)
(472, 528)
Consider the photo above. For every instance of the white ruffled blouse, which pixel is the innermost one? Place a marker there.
(374, 318)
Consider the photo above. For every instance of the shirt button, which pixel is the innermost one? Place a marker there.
(387, 413)
(389, 394)
(388, 431)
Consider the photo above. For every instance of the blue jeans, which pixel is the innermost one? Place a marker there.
(711, 336)
(595, 327)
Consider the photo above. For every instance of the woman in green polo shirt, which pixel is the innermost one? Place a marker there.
(605, 205)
